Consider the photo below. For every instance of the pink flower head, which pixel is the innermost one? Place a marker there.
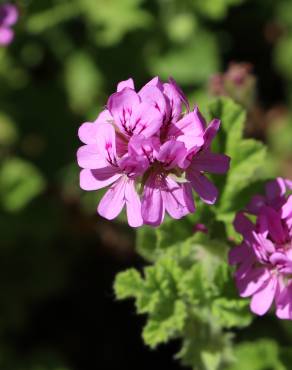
(264, 258)
(152, 151)
(8, 17)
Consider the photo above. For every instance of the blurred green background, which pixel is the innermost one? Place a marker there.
(57, 257)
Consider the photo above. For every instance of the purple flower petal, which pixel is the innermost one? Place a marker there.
(206, 190)
(121, 105)
(8, 15)
(133, 205)
(97, 179)
(211, 132)
(190, 124)
(256, 203)
(275, 188)
(253, 281)
(89, 157)
(113, 201)
(274, 225)
(287, 208)
(188, 197)
(172, 154)
(242, 224)
(179, 92)
(174, 100)
(211, 162)
(106, 143)
(6, 36)
(127, 83)
(154, 97)
(238, 254)
(152, 204)
(263, 298)
(174, 199)
(284, 303)
(145, 120)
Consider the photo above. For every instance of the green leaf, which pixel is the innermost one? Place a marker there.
(191, 63)
(214, 9)
(161, 329)
(146, 242)
(8, 131)
(232, 312)
(257, 355)
(20, 182)
(114, 18)
(248, 167)
(82, 80)
(128, 284)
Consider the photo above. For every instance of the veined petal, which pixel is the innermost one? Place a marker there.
(97, 179)
(211, 132)
(179, 92)
(174, 199)
(190, 124)
(113, 201)
(206, 190)
(133, 205)
(172, 154)
(145, 120)
(175, 102)
(188, 197)
(152, 204)
(121, 105)
(106, 142)
(153, 96)
(284, 303)
(263, 298)
(253, 281)
(274, 224)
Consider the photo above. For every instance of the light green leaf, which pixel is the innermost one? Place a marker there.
(257, 355)
(20, 182)
(192, 63)
(82, 80)
(162, 329)
(128, 284)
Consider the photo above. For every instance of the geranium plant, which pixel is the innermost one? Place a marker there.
(157, 156)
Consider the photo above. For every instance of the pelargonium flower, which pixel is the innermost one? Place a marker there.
(152, 150)
(8, 17)
(264, 258)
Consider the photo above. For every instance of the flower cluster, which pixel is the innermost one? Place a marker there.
(8, 17)
(264, 258)
(150, 153)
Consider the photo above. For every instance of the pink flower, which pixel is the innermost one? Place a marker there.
(8, 17)
(264, 258)
(144, 140)
(102, 167)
